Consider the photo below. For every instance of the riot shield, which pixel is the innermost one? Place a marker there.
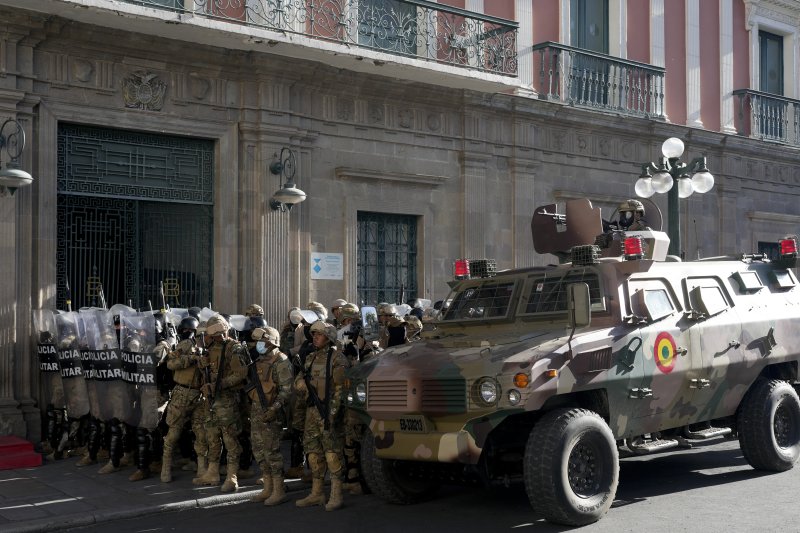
(44, 325)
(369, 319)
(76, 396)
(105, 372)
(138, 333)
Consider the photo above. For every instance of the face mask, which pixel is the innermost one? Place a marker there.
(261, 347)
(340, 333)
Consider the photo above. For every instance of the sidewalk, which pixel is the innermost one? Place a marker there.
(59, 495)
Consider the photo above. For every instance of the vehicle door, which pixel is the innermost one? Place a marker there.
(663, 398)
(715, 349)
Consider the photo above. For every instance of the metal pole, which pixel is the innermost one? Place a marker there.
(673, 212)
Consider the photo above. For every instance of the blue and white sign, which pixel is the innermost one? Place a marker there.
(327, 266)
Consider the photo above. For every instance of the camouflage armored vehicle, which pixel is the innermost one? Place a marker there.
(549, 374)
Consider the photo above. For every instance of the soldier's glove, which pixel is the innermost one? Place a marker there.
(301, 389)
(206, 390)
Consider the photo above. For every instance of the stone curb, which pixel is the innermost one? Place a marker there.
(99, 516)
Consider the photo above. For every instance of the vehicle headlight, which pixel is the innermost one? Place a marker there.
(361, 392)
(514, 396)
(488, 391)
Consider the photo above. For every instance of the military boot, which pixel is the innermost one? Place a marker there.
(139, 475)
(86, 460)
(211, 476)
(108, 468)
(335, 501)
(166, 467)
(231, 483)
(127, 459)
(278, 491)
(202, 467)
(317, 496)
(266, 492)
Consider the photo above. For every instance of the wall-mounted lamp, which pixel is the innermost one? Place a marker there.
(284, 165)
(13, 142)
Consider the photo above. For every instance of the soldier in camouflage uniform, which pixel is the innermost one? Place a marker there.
(356, 349)
(322, 382)
(394, 330)
(226, 376)
(184, 403)
(274, 374)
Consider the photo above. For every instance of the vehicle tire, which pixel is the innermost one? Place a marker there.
(769, 426)
(386, 481)
(571, 467)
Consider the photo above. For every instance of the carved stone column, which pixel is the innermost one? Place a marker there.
(475, 205)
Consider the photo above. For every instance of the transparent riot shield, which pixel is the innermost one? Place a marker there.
(44, 325)
(139, 361)
(369, 319)
(105, 373)
(76, 396)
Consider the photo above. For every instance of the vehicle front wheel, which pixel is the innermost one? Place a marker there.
(769, 426)
(386, 479)
(571, 467)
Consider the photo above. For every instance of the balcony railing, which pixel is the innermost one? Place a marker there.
(413, 28)
(589, 79)
(768, 117)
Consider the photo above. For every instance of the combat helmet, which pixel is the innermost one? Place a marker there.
(217, 325)
(350, 311)
(267, 334)
(632, 205)
(254, 310)
(319, 309)
(326, 329)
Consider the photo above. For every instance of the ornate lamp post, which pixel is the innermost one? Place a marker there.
(679, 180)
(12, 142)
(284, 166)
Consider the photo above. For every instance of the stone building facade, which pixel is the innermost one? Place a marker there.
(467, 156)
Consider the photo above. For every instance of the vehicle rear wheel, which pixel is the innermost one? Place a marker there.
(386, 479)
(769, 426)
(571, 467)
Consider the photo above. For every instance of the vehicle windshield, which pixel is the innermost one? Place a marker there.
(549, 294)
(490, 300)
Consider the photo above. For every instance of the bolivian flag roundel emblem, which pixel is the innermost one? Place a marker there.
(665, 352)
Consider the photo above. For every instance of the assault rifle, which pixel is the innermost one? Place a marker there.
(220, 371)
(252, 379)
(207, 375)
(322, 407)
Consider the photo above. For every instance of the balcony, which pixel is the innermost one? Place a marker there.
(587, 79)
(768, 117)
(411, 28)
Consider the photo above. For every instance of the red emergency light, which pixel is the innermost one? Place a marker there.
(633, 248)
(788, 248)
(461, 269)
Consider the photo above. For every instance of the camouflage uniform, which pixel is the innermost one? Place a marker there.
(274, 373)
(223, 420)
(323, 440)
(184, 404)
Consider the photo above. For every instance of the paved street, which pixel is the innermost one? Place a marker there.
(706, 489)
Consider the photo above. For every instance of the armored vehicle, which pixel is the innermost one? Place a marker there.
(550, 374)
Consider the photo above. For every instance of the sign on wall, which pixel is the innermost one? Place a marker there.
(327, 266)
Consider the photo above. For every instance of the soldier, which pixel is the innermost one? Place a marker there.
(221, 387)
(631, 216)
(413, 328)
(322, 383)
(293, 318)
(202, 414)
(335, 317)
(356, 349)
(269, 395)
(184, 402)
(253, 321)
(394, 331)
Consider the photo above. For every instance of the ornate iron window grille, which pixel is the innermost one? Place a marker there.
(387, 258)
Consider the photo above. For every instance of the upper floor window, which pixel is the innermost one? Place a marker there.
(589, 25)
(771, 61)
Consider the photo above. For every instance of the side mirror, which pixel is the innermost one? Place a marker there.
(579, 305)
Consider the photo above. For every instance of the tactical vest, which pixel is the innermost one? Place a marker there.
(316, 370)
(214, 356)
(266, 372)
